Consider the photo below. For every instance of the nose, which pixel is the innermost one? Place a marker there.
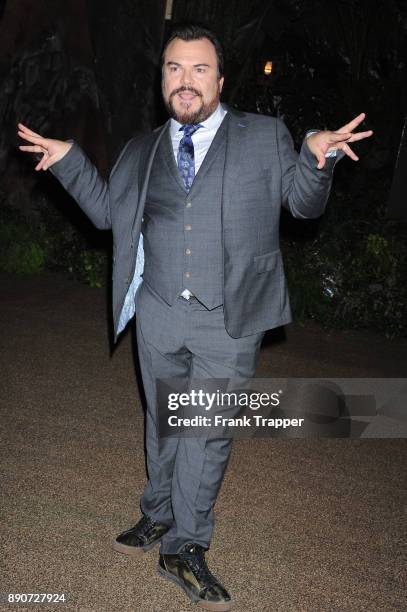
(186, 78)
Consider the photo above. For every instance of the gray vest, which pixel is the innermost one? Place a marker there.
(183, 231)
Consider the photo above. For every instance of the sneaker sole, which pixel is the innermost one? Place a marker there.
(133, 551)
(206, 605)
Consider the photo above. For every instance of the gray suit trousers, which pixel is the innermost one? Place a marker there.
(185, 340)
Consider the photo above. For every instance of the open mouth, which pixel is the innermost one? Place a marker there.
(186, 96)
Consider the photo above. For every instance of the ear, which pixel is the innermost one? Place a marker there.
(221, 81)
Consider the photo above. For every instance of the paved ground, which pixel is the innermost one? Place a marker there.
(302, 525)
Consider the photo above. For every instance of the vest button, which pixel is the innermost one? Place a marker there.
(188, 251)
(187, 274)
(188, 227)
(188, 204)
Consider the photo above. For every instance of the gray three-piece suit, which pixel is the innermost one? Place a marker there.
(221, 242)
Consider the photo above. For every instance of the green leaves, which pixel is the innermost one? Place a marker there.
(352, 274)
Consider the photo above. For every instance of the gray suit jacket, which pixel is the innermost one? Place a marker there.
(262, 172)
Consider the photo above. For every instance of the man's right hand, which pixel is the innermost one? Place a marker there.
(52, 150)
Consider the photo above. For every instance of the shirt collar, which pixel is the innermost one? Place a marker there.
(212, 122)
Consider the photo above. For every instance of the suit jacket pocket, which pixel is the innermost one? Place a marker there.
(267, 261)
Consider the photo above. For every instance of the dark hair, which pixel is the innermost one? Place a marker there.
(191, 31)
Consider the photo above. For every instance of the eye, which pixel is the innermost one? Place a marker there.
(201, 70)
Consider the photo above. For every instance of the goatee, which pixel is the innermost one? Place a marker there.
(192, 118)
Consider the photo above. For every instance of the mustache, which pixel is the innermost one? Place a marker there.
(184, 88)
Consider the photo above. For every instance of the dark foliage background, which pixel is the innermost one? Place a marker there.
(89, 70)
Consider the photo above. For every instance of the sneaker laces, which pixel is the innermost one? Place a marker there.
(146, 524)
(195, 557)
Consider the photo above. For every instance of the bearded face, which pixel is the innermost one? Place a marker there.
(191, 86)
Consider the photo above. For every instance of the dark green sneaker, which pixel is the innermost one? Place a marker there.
(142, 537)
(188, 569)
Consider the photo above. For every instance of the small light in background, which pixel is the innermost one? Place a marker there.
(168, 9)
(268, 68)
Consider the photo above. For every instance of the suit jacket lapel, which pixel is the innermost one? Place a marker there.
(147, 154)
(235, 148)
(146, 158)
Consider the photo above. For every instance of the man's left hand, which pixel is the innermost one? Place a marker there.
(323, 142)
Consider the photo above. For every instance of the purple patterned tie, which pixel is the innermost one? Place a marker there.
(186, 156)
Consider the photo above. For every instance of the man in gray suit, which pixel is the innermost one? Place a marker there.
(194, 208)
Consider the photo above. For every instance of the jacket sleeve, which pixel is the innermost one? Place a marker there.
(83, 182)
(305, 189)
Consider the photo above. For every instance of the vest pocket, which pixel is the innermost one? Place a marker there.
(267, 261)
